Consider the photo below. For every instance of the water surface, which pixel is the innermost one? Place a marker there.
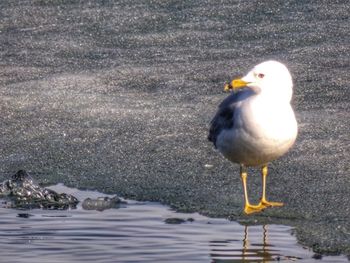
(139, 232)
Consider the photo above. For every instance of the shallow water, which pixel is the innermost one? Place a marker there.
(137, 232)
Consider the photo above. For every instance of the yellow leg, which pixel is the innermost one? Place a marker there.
(248, 208)
(263, 201)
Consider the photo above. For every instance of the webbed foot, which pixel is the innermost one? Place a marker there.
(251, 209)
(266, 203)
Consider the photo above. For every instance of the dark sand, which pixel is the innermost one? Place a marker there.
(118, 95)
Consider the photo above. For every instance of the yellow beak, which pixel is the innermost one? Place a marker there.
(235, 85)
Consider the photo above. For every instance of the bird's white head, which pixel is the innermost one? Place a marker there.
(269, 78)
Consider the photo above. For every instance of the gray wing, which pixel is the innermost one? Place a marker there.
(224, 119)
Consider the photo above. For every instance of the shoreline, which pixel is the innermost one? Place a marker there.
(118, 97)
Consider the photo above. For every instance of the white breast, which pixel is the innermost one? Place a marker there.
(261, 133)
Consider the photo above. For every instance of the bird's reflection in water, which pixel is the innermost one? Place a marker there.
(250, 249)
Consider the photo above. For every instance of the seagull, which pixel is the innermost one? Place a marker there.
(256, 124)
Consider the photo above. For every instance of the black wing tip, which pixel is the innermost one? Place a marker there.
(212, 137)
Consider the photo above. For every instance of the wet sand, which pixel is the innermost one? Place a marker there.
(118, 97)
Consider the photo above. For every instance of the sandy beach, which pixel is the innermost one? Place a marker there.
(117, 96)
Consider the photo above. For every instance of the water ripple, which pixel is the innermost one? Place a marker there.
(138, 233)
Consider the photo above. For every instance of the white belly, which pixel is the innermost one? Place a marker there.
(259, 135)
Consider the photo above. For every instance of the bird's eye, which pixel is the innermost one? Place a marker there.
(260, 75)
